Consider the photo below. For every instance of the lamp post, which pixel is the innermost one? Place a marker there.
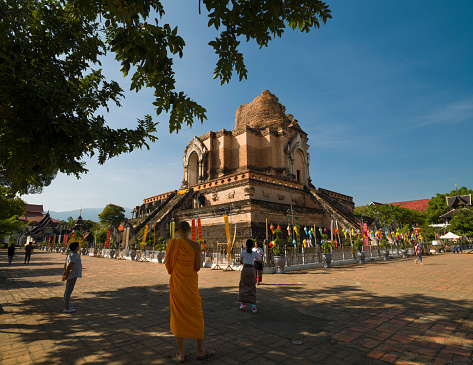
(292, 221)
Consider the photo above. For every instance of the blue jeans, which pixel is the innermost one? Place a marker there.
(70, 283)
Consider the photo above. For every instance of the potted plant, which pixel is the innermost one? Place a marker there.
(83, 247)
(160, 248)
(278, 246)
(404, 246)
(133, 249)
(358, 246)
(326, 246)
(113, 249)
(385, 245)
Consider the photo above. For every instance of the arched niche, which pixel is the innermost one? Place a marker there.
(195, 157)
(193, 169)
(299, 169)
(298, 159)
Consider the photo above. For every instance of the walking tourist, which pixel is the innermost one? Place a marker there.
(259, 264)
(418, 251)
(28, 251)
(11, 252)
(247, 289)
(187, 320)
(72, 271)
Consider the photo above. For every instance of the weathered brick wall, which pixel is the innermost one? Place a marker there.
(264, 110)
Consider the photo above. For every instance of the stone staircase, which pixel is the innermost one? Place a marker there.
(140, 225)
(346, 219)
(162, 212)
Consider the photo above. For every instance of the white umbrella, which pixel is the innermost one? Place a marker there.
(449, 235)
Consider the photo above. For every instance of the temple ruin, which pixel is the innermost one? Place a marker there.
(257, 173)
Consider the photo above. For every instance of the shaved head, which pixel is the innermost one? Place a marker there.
(184, 227)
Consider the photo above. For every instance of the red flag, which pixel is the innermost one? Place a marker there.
(107, 243)
(199, 229)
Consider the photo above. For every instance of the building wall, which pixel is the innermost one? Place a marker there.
(263, 151)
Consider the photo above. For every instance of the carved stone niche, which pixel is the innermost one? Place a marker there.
(231, 194)
(249, 191)
(215, 197)
(280, 196)
(266, 194)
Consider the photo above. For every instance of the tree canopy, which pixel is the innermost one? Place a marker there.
(101, 235)
(112, 214)
(53, 88)
(387, 213)
(10, 209)
(438, 204)
(462, 222)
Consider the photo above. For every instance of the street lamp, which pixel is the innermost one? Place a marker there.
(292, 220)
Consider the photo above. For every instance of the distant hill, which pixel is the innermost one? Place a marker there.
(87, 213)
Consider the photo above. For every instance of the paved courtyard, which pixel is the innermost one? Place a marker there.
(381, 312)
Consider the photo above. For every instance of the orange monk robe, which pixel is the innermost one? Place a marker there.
(187, 319)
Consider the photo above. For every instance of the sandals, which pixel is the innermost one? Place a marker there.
(176, 357)
(208, 354)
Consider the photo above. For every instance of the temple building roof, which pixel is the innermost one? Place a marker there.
(34, 213)
(458, 200)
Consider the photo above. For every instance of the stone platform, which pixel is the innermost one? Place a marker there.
(382, 312)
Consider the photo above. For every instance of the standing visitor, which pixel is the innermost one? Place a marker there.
(259, 264)
(187, 320)
(11, 252)
(418, 251)
(72, 271)
(28, 251)
(247, 288)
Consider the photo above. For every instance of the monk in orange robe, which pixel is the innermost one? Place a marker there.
(187, 320)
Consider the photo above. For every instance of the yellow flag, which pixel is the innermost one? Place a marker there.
(227, 229)
(144, 236)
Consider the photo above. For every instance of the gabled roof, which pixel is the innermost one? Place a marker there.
(455, 201)
(34, 213)
(375, 203)
(42, 224)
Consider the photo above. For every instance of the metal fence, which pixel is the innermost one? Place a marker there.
(218, 255)
(303, 256)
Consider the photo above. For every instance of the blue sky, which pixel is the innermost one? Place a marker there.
(384, 91)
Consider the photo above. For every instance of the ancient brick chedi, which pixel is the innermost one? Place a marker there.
(257, 173)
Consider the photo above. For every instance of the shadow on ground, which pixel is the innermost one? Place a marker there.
(133, 323)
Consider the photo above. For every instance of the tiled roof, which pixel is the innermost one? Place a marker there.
(31, 217)
(34, 208)
(34, 213)
(419, 205)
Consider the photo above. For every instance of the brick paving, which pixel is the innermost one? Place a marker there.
(382, 312)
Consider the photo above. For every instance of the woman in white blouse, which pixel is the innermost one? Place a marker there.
(247, 288)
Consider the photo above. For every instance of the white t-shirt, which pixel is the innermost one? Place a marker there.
(76, 269)
(259, 252)
(249, 258)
